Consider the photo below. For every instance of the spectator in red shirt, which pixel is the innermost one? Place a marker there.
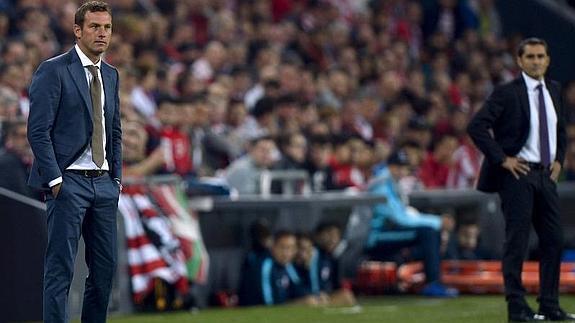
(435, 167)
(174, 142)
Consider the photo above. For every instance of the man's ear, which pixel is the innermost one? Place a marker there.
(77, 31)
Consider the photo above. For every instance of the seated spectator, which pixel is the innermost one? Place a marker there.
(357, 172)
(318, 268)
(464, 243)
(274, 280)
(293, 148)
(244, 173)
(16, 159)
(262, 240)
(261, 243)
(317, 164)
(435, 168)
(395, 226)
(175, 142)
(136, 162)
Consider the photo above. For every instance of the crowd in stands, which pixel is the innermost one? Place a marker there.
(335, 85)
(227, 88)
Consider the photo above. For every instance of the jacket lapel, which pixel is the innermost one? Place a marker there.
(523, 98)
(79, 75)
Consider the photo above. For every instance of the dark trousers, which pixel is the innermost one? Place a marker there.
(531, 199)
(84, 206)
(424, 243)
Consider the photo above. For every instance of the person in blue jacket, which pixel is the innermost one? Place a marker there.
(318, 269)
(274, 280)
(396, 226)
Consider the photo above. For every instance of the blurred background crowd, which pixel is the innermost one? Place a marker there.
(336, 85)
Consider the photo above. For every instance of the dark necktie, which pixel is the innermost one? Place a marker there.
(97, 138)
(543, 130)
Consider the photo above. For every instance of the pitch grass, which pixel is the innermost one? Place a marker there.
(400, 309)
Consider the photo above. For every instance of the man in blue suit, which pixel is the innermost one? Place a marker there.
(75, 134)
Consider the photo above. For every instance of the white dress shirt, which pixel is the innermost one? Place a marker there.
(85, 160)
(531, 151)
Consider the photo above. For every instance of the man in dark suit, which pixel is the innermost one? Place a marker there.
(75, 134)
(521, 132)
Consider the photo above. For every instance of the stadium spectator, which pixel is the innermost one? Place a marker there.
(317, 164)
(174, 142)
(396, 225)
(142, 95)
(261, 244)
(274, 279)
(16, 159)
(244, 173)
(319, 269)
(435, 168)
(293, 148)
(136, 163)
(464, 243)
(450, 18)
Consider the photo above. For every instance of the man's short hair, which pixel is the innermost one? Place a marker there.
(531, 41)
(281, 234)
(90, 6)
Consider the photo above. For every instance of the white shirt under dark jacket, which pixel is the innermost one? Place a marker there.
(531, 151)
(85, 160)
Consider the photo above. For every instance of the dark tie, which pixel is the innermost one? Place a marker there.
(543, 130)
(97, 138)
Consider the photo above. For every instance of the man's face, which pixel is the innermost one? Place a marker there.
(297, 148)
(467, 236)
(94, 36)
(284, 249)
(304, 251)
(534, 61)
(328, 239)
(398, 171)
(263, 153)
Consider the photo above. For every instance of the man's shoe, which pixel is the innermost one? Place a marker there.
(557, 315)
(437, 289)
(525, 316)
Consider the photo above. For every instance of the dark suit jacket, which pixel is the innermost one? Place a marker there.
(506, 114)
(60, 120)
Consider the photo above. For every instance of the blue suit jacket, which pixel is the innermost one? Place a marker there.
(60, 120)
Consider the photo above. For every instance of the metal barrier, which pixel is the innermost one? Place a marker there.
(288, 179)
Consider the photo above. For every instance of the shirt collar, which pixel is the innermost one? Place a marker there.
(532, 83)
(84, 59)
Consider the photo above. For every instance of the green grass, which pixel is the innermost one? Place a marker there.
(402, 309)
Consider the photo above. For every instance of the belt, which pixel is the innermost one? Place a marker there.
(536, 166)
(88, 172)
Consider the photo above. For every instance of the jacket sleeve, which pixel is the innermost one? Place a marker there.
(117, 134)
(45, 92)
(394, 210)
(484, 120)
(561, 131)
